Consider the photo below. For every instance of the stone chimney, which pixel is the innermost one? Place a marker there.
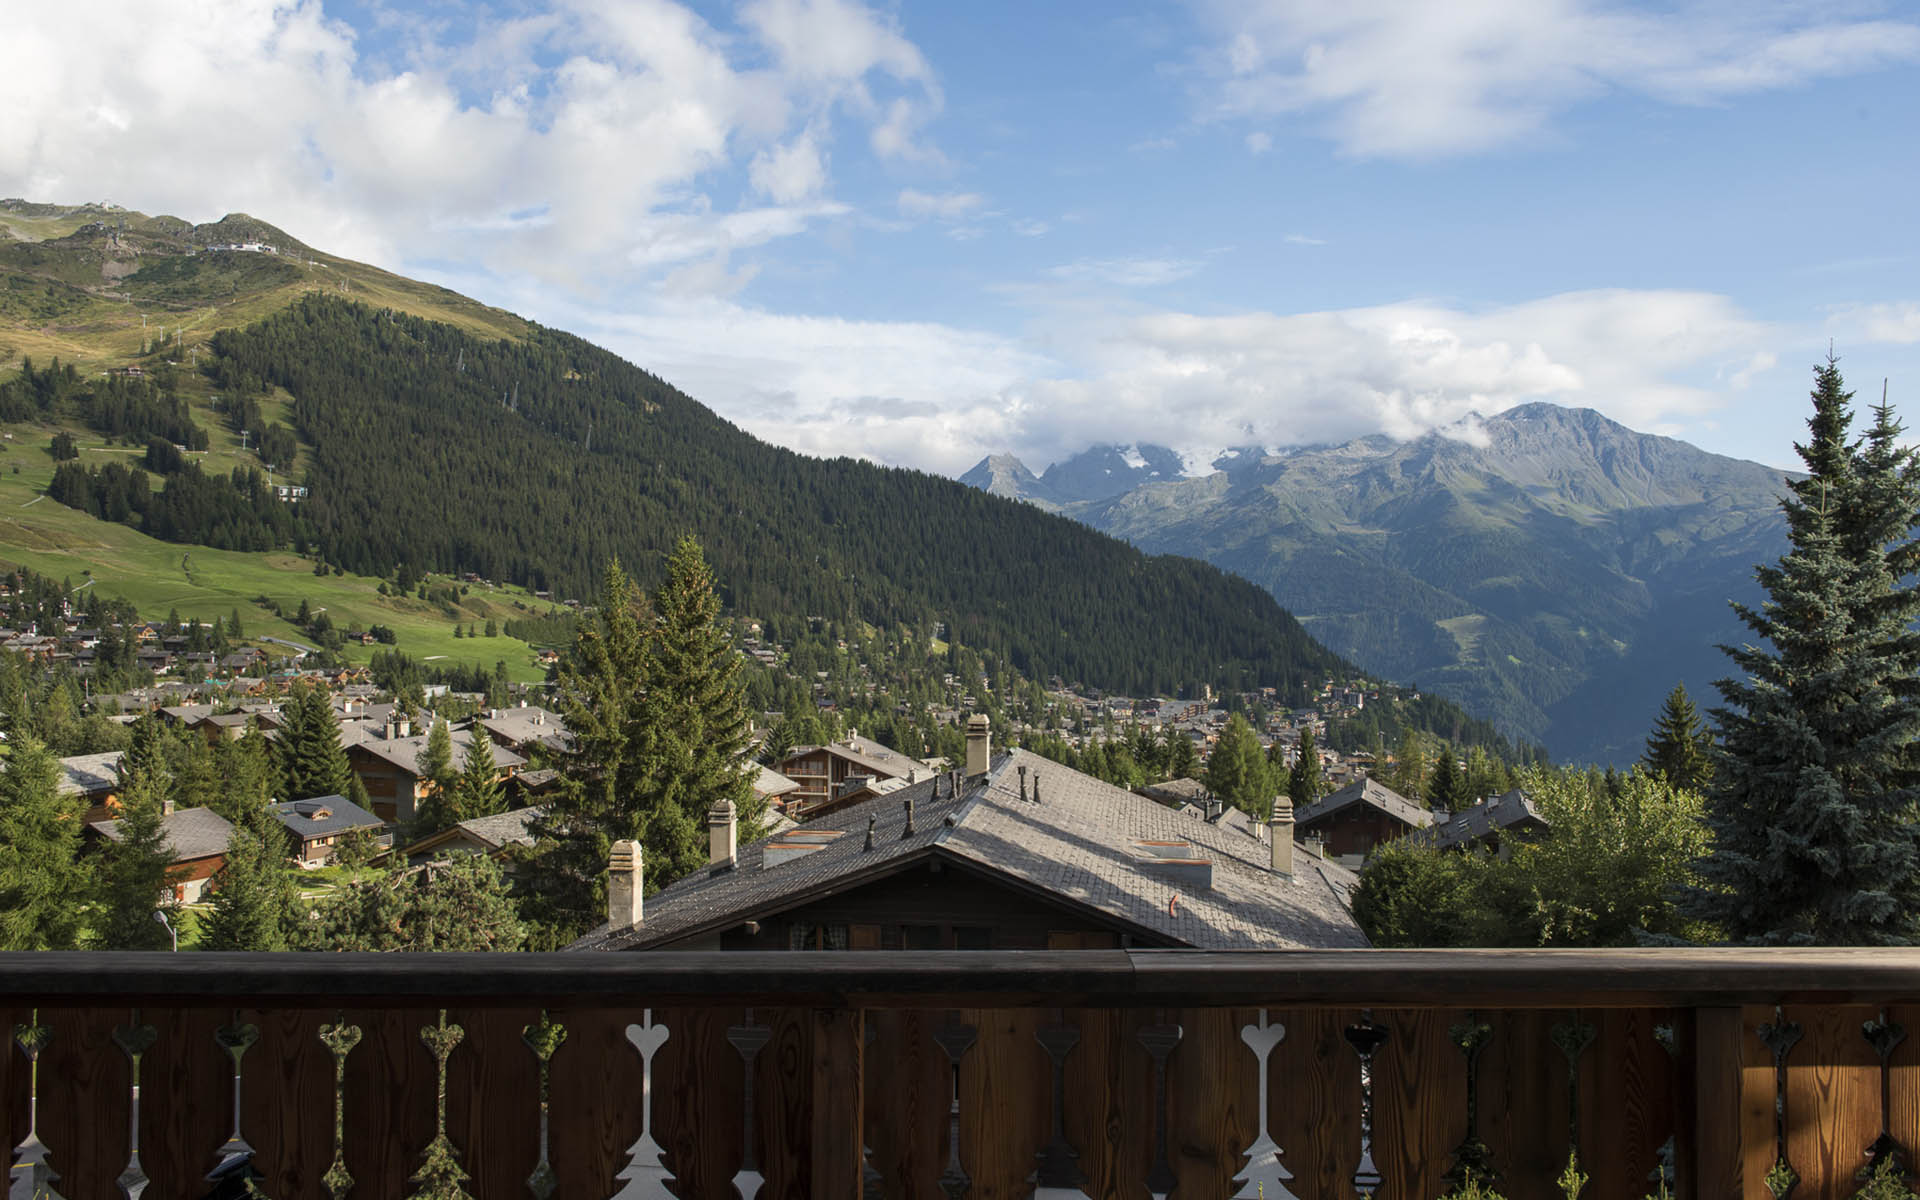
(1280, 836)
(623, 886)
(979, 745)
(723, 833)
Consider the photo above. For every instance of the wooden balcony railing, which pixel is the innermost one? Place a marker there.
(988, 1075)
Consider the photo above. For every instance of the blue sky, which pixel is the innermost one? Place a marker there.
(922, 232)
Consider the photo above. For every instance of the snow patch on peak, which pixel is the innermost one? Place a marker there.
(1131, 456)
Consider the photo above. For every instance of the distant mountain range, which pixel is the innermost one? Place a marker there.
(1548, 567)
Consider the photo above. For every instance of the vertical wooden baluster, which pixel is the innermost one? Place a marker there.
(1264, 1171)
(544, 1039)
(1160, 1040)
(1058, 1177)
(956, 1039)
(1780, 1036)
(32, 1175)
(440, 1174)
(1366, 1038)
(1573, 1038)
(135, 1040)
(233, 1171)
(748, 1040)
(1884, 1036)
(339, 1038)
(1666, 1170)
(870, 1181)
(1471, 1158)
(645, 1175)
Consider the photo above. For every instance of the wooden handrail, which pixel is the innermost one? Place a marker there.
(1515, 979)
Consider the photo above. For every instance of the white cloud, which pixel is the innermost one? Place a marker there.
(1405, 78)
(1127, 272)
(1029, 227)
(1301, 239)
(1259, 142)
(945, 206)
(1897, 323)
(608, 119)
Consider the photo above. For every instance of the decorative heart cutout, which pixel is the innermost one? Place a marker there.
(135, 1039)
(648, 1038)
(237, 1037)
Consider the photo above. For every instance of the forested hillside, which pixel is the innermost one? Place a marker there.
(534, 461)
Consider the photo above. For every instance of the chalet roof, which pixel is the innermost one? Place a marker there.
(89, 774)
(405, 752)
(770, 783)
(190, 833)
(323, 816)
(1175, 791)
(525, 725)
(488, 833)
(866, 755)
(1371, 793)
(1491, 816)
(1074, 843)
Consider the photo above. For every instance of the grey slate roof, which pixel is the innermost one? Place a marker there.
(405, 752)
(507, 828)
(86, 774)
(770, 783)
(529, 725)
(1372, 793)
(304, 819)
(190, 832)
(1489, 817)
(1074, 843)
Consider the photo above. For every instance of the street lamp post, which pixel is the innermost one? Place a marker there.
(160, 915)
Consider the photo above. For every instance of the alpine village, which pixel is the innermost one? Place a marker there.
(441, 759)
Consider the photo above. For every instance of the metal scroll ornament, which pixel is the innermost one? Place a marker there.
(645, 1176)
(1264, 1175)
(32, 1176)
(543, 1039)
(1366, 1038)
(134, 1039)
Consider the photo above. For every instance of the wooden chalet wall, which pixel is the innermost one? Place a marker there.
(853, 1070)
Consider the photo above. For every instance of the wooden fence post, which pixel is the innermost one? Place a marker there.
(839, 1101)
(1708, 1109)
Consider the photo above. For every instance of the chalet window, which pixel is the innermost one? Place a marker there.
(804, 936)
(972, 937)
(921, 937)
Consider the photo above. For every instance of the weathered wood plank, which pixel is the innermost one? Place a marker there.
(1005, 1098)
(1420, 1099)
(1833, 1100)
(834, 1103)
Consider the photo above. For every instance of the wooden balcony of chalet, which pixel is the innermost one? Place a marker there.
(993, 1074)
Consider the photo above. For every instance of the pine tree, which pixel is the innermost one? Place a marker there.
(1680, 745)
(439, 807)
(1443, 787)
(476, 790)
(1237, 770)
(312, 761)
(253, 900)
(1812, 800)
(39, 848)
(131, 880)
(1304, 785)
(697, 726)
(1410, 765)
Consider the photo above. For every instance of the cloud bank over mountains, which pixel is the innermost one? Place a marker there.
(683, 186)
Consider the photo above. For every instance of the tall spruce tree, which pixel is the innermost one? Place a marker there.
(1237, 769)
(40, 875)
(131, 879)
(698, 727)
(253, 900)
(1812, 800)
(1444, 785)
(1680, 745)
(476, 789)
(1304, 784)
(312, 761)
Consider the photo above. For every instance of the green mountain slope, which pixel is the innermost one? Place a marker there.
(1559, 577)
(445, 436)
